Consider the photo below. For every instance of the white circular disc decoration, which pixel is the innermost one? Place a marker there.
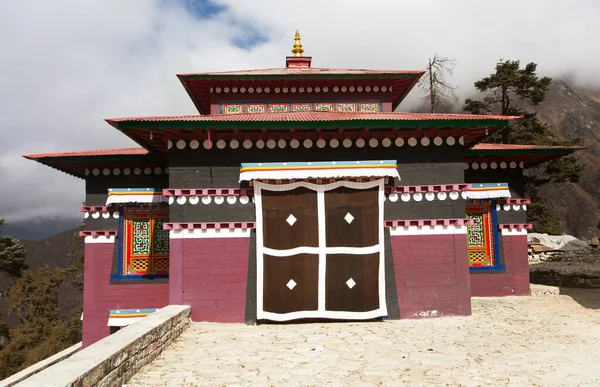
(521, 165)
(281, 143)
(524, 206)
(405, 197)
(231, 199)
(344, 89)
(157, 170)
(412, 141)
(106, 171)
(171, 200)
(461, 140)
(513, 165)
(347, 143)
(260, 144)
(498, 208)
(206, 199)
(454, 195)
(181, 199)
(516, 207)
(271, 144)
(219, 199)
(417, 197)
(475, 166)
(106, 215)
(87, 172)
(194, 200)
(234, 144)
(86, 215)
(483, 165)
(321, 143)
(207, 144)
(194, 144)
(493, 165)
(221, 144)
(393, 197)
(180, 144)
(307, 143)
(95, 215)
(147, 170)
(463, 195)
(137, 171)
(127, 171)
(373, 143)
(465, 166)
(386, 142)
(425, 141)
(294, 143)
(506, 207)
(169, 144)
(247, 144)
(116, 171)
(360, 142)
(359, 88)
(442, 195)
(450, 141)
(438, 141)
(166, 170)
(429, 196)
(116, 214)
(399, 142)
(503, 165)
(244, 199)
(334, 143)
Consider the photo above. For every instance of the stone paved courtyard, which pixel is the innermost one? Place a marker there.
(515, 341)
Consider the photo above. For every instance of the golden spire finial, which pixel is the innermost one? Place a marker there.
(297, 50)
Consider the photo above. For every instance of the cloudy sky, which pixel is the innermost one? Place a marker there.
(65, 65)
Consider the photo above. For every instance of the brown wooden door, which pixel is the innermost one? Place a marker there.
(319, 251)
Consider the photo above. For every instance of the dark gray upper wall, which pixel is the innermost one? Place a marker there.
(96, 190)
(514, 178)
(219, 168)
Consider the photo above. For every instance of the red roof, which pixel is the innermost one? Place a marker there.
(106, 152)
(306, 70)
(312, 117)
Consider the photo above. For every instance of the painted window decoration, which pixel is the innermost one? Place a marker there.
(481, 236)
(279, 107)
(145, 245)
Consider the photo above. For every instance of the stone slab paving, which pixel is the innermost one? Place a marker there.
(515, 341)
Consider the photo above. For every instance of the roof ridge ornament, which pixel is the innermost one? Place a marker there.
(297, 50)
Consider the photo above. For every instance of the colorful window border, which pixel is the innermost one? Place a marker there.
(153, 212)
(498, 261)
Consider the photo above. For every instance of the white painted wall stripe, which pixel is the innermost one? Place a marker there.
(428, 230)
(210, 233)
(514, 231)
(100, 239)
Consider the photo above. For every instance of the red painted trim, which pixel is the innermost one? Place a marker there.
(429, 222)
(96, 233)
(427, 188)
(518, 226)
(97, 208)
(514, 201)
(207, 226)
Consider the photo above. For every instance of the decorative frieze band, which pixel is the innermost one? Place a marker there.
(494, 165)
(100, 211)
(428, 226)
(300, 89)
(99, 236)
(308, 143)
(126, 171)
(515, 228)
(209, 226)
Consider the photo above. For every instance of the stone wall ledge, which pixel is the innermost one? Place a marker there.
(40, 366)
(113, 360)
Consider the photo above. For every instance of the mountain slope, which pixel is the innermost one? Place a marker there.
(573, 114)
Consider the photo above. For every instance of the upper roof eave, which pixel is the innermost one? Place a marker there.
(311, 72)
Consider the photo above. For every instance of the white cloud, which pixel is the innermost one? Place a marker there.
(65, 67)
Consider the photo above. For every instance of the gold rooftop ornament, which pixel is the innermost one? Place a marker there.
(297, 50)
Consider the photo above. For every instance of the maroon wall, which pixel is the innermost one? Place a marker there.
(210, 275)
(432, 274)
(512, 282)
(99, 296)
